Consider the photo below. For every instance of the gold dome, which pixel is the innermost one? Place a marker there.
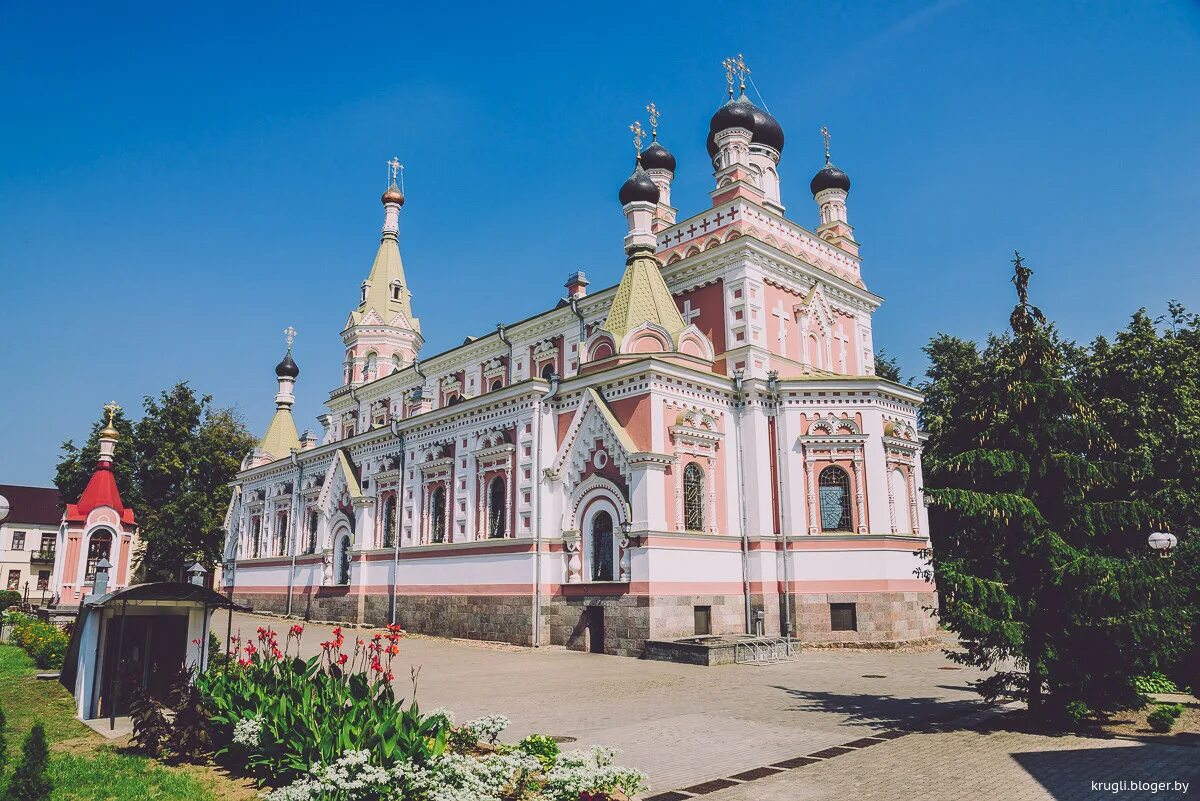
(393, 195)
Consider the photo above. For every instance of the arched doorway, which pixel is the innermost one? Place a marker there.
(99, 547)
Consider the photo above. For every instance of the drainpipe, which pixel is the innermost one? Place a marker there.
(574, 303)
(294, 522)
(739, 403)
(773, 390)
(537, 512)
(504, 338)
(395, 426)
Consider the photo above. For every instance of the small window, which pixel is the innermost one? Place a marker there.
(14, 580)
(497, 384)
(18, 541)
(548, 371)
(843, 617)
(703, 616)
(43, 580)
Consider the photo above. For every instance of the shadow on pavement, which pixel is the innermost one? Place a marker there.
(888, 711)
(1094, 773)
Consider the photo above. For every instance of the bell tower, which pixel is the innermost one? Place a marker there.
(381, 334)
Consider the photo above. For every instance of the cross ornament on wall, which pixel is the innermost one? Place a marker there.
(784, 314)
(689, 313)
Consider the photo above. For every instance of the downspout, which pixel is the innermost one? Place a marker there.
(739, 402)
(574, 302)
(395, 426)
(504, 338)
(773, 390)
(292, 534)
(537, 512)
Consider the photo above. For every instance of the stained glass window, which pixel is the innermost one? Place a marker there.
(389, 521)
(437, 515)
(693, 497)
(343, 563)
(834, 485)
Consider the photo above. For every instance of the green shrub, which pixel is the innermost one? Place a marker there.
(46, 643)
(1163, 718)
(1076, 712)
(541, 746)
(3, 744)
(1154, 683)
(9, 598)
(29, 781)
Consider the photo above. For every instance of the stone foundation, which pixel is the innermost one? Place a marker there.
(627, 621)
(882, 617)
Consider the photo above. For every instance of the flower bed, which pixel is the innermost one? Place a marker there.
(45, 642)
(330, 728)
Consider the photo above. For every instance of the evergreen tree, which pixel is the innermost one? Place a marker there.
(173, 467)
(3, 744)
(887, 366)
(1046, 565)
(29, 781)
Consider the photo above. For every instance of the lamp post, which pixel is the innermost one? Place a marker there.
(1162, 542)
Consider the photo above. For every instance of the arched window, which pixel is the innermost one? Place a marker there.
(342, 560)
(602, 547)
(99, 547)
(454, 400)
(548, 370)
(314, 518)
(255, 536)
(497, 384)
(437, 515)
(834, 484)
(370, 369)
(396, 365)
(397, 289)
(693, 497)
(497, 519)
(900, 499)
(389, 521)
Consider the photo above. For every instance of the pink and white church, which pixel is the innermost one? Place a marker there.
(703, 448)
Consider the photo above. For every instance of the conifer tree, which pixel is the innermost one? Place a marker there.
(1046, 575)
(29, 781)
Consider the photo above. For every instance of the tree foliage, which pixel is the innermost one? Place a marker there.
(173, 466)
(1039, 547)
(887, 366)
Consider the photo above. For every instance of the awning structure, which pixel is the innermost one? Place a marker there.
(159, 593)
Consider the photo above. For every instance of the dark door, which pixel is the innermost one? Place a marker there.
(150, 656)
(595, 628)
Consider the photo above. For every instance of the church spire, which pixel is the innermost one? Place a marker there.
(385, 302)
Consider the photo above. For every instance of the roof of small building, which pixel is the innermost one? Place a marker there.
(166, 591)
(642, 297)
(101, 490)
(32, 505)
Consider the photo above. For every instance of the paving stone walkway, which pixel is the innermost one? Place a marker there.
(686, 725)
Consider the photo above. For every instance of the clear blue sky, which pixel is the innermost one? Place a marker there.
(177, 185)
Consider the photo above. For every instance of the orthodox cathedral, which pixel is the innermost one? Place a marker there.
(703, 448)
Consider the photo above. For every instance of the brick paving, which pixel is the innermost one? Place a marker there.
(704, 731)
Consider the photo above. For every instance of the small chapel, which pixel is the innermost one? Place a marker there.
(701, 448)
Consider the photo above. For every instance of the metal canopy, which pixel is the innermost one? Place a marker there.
(167, 591)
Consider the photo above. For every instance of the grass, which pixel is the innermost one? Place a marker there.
(83, 766)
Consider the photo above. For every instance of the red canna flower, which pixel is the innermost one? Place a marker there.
(389, 676)
(342, 659)
(296, 630)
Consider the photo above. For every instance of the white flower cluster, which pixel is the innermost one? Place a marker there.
(444, 714)
(488, 727)
(452, 777)
(248, 732)
(350, 777)
(577, 771)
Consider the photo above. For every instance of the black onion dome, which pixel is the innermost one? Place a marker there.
(657, 157)
(830, 177)
(767, 130)
(287, 367)
(639, 187)
(733, 114)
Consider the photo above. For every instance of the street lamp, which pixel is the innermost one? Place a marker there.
(1162, 542)
(196, 574)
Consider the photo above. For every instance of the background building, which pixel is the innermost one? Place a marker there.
(28, 538)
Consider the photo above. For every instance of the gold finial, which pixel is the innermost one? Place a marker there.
(652, 110)
(742, 71)
(110, 431)
(825, 136)
(289, 334)
(730, 68)
(638, 134)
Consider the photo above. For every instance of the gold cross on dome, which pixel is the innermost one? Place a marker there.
(730, 67)
(289, 334)
(394, 168)
(652, 110)
(825, 136)
(743, 71)
(112, 408)
(638, 134)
